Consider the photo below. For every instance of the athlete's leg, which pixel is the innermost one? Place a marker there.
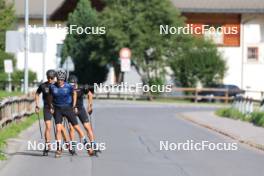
(64, 134)
(72, 133)
(70, 115)
(83, 116)
(59, 127)
(73, 143)
(47, 120)
(89, 130)
(47, 130)
(79, 131)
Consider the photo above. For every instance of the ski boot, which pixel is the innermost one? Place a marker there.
(88, 147)
(46, 149)
(58, 154)
(95, 149)
(71, 148)
(59, 150)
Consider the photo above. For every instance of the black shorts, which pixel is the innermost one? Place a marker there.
(60, 112)
(82, 114)
(47, 114)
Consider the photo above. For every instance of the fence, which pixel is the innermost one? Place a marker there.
(247, 105)
(194, 94)
(14, 108)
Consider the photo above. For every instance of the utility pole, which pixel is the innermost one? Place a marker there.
(26, 47)
(44, 38)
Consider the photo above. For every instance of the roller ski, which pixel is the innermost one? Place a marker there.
(58, 154)
(93, 149)
(59, 150)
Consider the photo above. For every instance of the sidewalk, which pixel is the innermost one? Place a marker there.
(244, 132)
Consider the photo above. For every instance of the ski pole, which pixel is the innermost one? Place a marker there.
(40, 129)
(54, 128)
(67, 125)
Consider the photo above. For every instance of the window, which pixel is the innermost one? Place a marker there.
(252, 53)
(214, 33)
(59, 50)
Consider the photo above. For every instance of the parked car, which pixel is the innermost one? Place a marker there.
(232, 91)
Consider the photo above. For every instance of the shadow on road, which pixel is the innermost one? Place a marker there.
(29, 153)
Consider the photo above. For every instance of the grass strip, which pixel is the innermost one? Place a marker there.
(13, 130)
(4, 94)
(257, 118)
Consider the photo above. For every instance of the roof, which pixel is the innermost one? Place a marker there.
(59, 9)
(220, 6)
(56, 9)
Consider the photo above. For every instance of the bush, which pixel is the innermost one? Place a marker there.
(199, 61)
(17, 75)
(156, 82)
(257, 118)
(231, 113)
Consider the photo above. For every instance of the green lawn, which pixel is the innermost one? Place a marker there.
(13, 130)
(7, 94)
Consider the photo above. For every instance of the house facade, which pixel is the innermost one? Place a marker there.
(243, 51)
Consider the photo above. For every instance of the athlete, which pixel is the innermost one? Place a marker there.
(82, 113)
(62, 102)
(44, 89)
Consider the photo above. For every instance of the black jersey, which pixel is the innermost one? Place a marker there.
(81, 92)
(44, 88)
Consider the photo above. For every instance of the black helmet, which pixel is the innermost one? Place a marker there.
(61, 74)
(51, 73)
(73, 79)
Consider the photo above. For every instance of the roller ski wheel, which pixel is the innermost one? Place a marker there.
(58, 154)
(72, 152)
(93, 150)
(45, 152)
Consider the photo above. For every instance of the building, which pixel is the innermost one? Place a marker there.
(244, 51)
(57, 12)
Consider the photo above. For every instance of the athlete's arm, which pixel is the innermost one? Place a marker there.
(50, 100)
(37, 99)
(90, 102)
(74, 101)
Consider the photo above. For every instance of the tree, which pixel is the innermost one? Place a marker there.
(199, 61)
(136, 25)
(81, 47)
(7, 19)
(18, 75)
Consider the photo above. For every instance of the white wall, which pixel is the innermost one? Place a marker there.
(254, 36)
(233, 56)
(247, 75)
(54, 36)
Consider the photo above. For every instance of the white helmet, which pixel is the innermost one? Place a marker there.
(61, 74)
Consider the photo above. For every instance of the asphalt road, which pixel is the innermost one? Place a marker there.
(132, 133)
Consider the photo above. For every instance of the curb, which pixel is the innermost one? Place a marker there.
(249, 143)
